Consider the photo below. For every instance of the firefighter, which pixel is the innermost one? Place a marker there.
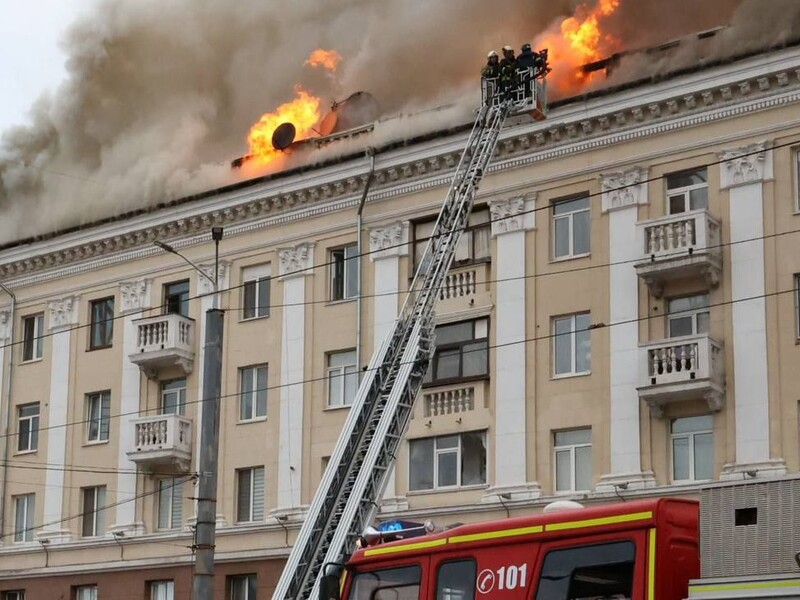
(492, 68)
(508, 68)
(527, 58)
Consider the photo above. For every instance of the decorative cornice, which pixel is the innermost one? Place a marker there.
(62, 312)
(388, 240)
(624, 188)
(5, 327)
(204, 284)
(608, 123)
(745, 165)
(134, 295)
(516, 213)
(297, 261)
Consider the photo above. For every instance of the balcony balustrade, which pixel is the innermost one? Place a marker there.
(162, 441)
(164, 341)
(465, 287)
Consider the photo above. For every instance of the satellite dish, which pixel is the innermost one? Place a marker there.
(283, 136)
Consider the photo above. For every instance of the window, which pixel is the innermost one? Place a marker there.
(242, 587)
(797, 305)
(94, 502)
(253, 392)
(28, 430)
(693, 448)
(86, 592)
(398, 583)
(462, 350)
(250, 494)
(342, 376)
(32, 340)
(473, 246)
(170, 503)
(571, 228)
(176, 298)
(596, 571)
(572, 457)
(688, 316)
(102, 330)
(447, 461)
(162, 590)
(24, 510)
(98, 408)
(344, 273)
(456, 580)
(173, 397)
(255, 292)
(572, 345)
(14, 595)
(687, 190)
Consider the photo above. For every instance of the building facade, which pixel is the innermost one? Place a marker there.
(621, 320)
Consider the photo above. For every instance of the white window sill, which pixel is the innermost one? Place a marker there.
(249, 319)
(341, 301)
(570, 375)
(450, 489)
(255, 420)
(689, 482)
(95, 442)
(571, 492)
(337, 407)
(24, 452)
(31, 361)
(560, 259)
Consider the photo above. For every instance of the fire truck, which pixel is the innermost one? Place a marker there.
(643, 549)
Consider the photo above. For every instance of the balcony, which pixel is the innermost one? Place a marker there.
(465, 288)
(451, 408)
(164, 341)
(677, 247)
(683, 368)
(162, 442)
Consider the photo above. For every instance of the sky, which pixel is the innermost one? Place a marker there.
(30, 58)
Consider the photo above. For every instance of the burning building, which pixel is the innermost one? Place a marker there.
(620, 320)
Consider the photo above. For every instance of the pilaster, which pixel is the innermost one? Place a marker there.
(387, 244)
(512, 218)
(743, 174)
(622, 193)
(62, 315)
(294, 265)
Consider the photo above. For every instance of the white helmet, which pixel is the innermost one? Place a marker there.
(508, 48)
(491, 54)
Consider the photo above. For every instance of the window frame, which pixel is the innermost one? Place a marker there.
(104, 326)
(459, 452)
(255, 507)
(103, 417)
(334, 293)
(256, 276)
(430, 379)
(25, 534)
(570, 218)
(155, 589)
(13, 595)
(797, 308)
(419, 243)
(254, 392)
(183, 303)
(35, 341)
(95, 517)
(33, 428)
(684, 191)
(180, 391)
(80, 589)
(573, 372)
(690, 436)
(338, 376)
(573, 461)
(250, 580)
(691, 313)
(174, 517)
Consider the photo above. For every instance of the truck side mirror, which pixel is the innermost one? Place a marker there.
(329, 587)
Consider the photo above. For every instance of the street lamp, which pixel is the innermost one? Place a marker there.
(207, 464)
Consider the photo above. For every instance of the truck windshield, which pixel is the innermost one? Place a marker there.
(399, 583)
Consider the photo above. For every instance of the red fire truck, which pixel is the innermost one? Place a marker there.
(639, 550)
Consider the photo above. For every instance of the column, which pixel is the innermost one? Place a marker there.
(743, 174)
(387, 243)
(623, 192)
(295, 264)
(204, 286)
(511, 219)
(134, 297)
(62, 316)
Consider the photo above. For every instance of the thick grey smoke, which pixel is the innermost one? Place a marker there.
(160, 95)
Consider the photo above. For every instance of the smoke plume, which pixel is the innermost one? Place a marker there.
(159, 96)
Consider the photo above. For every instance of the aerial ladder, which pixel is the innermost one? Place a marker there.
(353, 482)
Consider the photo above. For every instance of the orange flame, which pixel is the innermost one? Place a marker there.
(328, 59)
(303, 112)
(579, 40)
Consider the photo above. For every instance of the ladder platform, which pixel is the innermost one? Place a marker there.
(529, 95)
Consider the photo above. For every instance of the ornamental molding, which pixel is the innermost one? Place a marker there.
(388, 240)
(204, 284)
(746, 165)
(62, 312)
(297, 261)
(624, 189)
(5, 326)
(516, 213)
(135, 295)
(717, 94)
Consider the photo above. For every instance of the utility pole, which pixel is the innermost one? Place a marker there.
(205, 532)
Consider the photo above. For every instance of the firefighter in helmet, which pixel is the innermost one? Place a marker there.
(508, 68)
(492, 68)
(527, 58)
